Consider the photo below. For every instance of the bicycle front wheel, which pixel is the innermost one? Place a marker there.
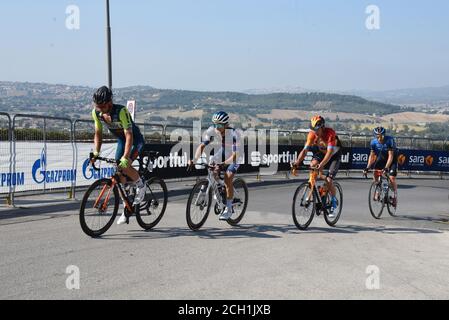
(337, 212)
(154, 204)
(198, 205)
(99, 208)
(240, 201)
(303, 208)
(376, 200)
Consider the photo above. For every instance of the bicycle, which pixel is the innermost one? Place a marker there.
(381, 194)
(200, 199)
(312, 199)
(106, 191)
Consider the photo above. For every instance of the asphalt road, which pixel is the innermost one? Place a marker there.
(266, 257)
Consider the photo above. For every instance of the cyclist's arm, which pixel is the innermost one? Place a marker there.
(301, 156)
(233, 158)
(98, 137)
(390, 159)
(129, 143)
(391, 150)
(206, 140)
(327, 157)
(125, 120)
(306, 148)
(199, 152)
(371, 159)
(235, 149)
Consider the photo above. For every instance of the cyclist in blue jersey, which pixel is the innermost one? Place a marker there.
(130, 141)
(384, 156)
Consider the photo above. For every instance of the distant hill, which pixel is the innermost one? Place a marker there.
(76, 100)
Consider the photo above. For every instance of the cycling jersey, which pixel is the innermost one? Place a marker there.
(120, 121)
(329, 140)
(230, 143)
(381, 149)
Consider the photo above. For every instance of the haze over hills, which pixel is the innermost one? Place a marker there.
(436, 97)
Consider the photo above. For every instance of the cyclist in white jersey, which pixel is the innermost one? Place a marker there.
(229, 155)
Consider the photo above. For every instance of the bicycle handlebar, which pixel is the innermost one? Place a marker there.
(107, 160)
(385, 174)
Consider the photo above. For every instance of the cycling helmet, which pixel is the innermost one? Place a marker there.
(220, 117)
(379, 131)
(102, 95)
(317, 122)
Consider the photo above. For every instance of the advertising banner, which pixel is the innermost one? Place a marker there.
(40, 166)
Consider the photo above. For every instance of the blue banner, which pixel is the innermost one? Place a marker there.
(413, 160)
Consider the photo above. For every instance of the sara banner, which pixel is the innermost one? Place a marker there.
(408, 160)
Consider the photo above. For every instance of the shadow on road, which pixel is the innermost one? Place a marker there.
(42, 212)
(259, 231)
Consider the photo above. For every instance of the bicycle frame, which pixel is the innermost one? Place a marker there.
(378, 174)
(213, 183)
(115, 179)
(314, 174)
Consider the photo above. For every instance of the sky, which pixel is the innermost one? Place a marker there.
(229, 45)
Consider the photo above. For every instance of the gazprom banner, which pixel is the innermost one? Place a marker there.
(40, 166)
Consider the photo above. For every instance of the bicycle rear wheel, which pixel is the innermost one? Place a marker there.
(392, 205)
(376, 200)
(339, 194)
(152, 208)
(198, 205)
(96, 213)
(303, 208)
(240, 201)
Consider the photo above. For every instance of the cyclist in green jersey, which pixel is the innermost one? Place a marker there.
(130, 141)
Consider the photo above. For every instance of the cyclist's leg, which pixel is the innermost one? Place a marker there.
(136, 150)
(393, 174)
(333, 170)
(379, 165)
(229, 179)
(118, 155)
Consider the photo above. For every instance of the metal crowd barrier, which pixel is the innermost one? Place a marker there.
(6, 151)
(64, 134)
(26, 128)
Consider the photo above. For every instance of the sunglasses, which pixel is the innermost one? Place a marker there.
(219, 125)
(102, 106)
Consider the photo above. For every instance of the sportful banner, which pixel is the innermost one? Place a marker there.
(42, 166)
